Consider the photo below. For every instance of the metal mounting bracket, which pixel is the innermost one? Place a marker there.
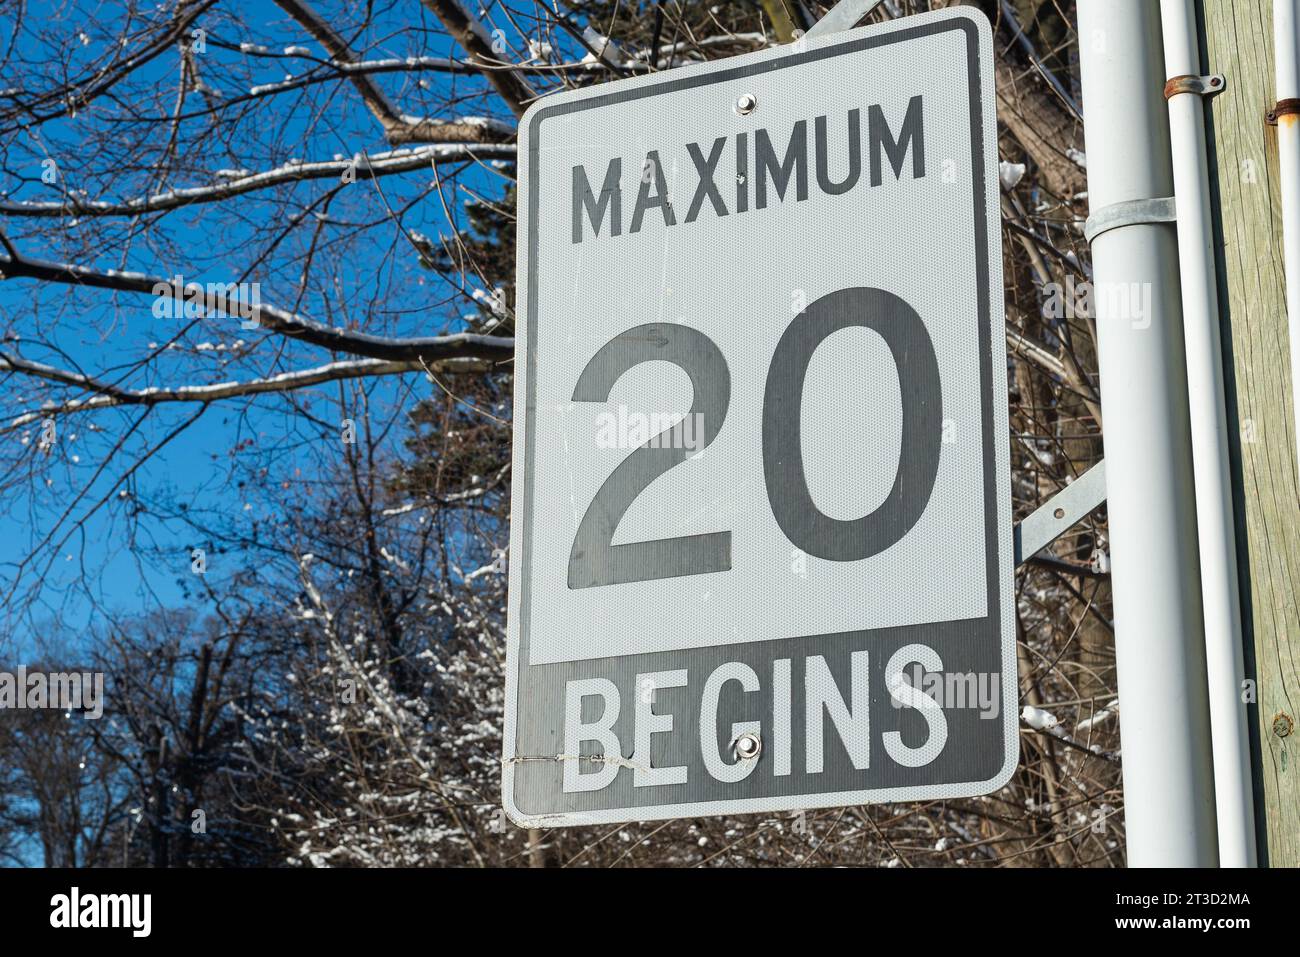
(843, 16)
(1130, 213)
(1210, 85)
(1287, 107)
(1054, 517)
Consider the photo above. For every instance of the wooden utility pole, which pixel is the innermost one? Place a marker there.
(1252, 291)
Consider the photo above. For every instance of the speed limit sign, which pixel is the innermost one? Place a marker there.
(761, 552)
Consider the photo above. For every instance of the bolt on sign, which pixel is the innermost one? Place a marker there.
(761, 551)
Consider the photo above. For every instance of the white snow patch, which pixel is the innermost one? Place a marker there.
(1011, 174)
(1038, 719)
(1105, 714)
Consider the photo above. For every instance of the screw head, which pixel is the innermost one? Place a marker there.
(746, 103)
(1059, 513)
(1283, 725)
(748, 746)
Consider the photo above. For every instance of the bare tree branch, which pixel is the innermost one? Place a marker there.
(429, 349)
(364, 166)
(108, 395)
(475, 40)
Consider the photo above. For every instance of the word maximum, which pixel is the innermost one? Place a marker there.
(729, 187)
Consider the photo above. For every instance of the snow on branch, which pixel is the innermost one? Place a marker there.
(1045, 722)
(429, 349)
(108, 395)
(476, 40)
(364, 166)
(398, 128)
(386, 65)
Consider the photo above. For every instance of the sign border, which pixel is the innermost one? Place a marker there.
(1000, 575)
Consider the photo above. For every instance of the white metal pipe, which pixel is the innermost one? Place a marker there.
(1287, 69)
(1155, 581)
(1220, 600)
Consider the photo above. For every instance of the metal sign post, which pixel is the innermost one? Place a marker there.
(761, 552)
(1159, 639)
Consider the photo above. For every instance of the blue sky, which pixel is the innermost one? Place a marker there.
(107, 335)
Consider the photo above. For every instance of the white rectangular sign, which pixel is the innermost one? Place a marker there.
(761, 546)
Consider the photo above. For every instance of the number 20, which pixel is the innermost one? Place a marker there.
(594, 559)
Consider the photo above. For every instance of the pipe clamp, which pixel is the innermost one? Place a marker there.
(1284, 108)
(1210, 85)
(1131, 213)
